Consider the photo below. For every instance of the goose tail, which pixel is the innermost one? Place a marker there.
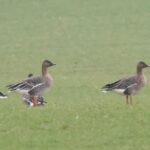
(110, 87)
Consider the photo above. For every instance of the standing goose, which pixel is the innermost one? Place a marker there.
(28, 101)
(129, 86)
(36, 85)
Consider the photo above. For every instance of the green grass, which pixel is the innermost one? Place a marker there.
(92, 42)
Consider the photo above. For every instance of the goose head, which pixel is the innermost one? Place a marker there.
(47, 63)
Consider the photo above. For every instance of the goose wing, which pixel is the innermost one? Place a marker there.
(120, 84)
(38, 89)
(27, 84)
(126, 82)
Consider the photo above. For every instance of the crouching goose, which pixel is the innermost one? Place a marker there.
(2, 96)
(34, 87)
(28, 101)
(129, 86)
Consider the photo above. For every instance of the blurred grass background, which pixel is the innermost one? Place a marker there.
(92, 42)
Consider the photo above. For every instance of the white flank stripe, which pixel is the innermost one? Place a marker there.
(3, 97)
(120, 91)
(20, 91)
(104, 91)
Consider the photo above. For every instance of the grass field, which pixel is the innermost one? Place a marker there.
(92, 42)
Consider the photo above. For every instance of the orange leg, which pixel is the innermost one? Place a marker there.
(130, 100)
(34, 101)
(127, 99)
